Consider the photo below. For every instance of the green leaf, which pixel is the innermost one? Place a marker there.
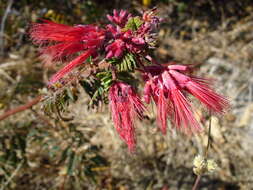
(59, 101)
(72, 163)
(97, 87)
(133, 24)
(127, 63)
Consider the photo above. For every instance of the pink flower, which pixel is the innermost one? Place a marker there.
(115, 49)
(125, 106)
(67, 41)
(123, 41)
(168, 85)
(201, 89)
(119, 17)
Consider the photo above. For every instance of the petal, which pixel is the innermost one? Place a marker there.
(69, 67)
(183, 115)
(208, 97)
(162, 111)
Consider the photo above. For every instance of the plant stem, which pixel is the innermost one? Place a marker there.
(21, 108)
(2, 26)
(197, 181)
(12, 175)
(209, 137)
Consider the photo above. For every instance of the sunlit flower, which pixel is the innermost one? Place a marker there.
(59, 42)
(126, 107)
(168, 85)
(116, 48)
(123, 41)
(201, 89)
(124, 45)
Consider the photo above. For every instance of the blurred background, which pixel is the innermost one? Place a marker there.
(39, 151)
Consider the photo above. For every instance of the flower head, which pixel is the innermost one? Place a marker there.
(59, 42)
(123, 41)
(125, 106)
(119, 17)
(201, 89)
(168, 86)
(132, 34)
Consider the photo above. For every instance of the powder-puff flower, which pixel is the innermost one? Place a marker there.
(201, 89)
(168, 86)
(123, 41)
(59, 42)
(115, 49)
(125, 107)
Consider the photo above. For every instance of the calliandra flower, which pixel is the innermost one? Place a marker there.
(115, 49)
(127, 41)
(150, 17)
(125, 107)
(123, 41)
(168, 87)
(135, 40)
(59, 41)
(201, 89)
(119, 17)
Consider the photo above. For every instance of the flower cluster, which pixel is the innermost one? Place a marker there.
(125, 45)
(66, 41)
(168, 86)
(126, 106)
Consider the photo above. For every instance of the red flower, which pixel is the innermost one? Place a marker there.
(119, 17)
(123, 41)
(69, 67)
(115, 49)
(167, 87)
(67, 41)
(125, 106)
(201, 89)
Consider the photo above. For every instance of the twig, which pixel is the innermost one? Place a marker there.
(12, 175)
(209, 137)
(197, 181)
(11, 64)
(21, 108)
(10, 2)
(8, 77)
(63, 183)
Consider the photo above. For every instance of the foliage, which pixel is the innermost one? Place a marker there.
(133, 24)
(127, 63)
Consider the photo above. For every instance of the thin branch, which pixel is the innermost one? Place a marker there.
(12, 175)
(21, 108)
(197, 181)
(209, 137)
(2, 27)
(195, 186)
